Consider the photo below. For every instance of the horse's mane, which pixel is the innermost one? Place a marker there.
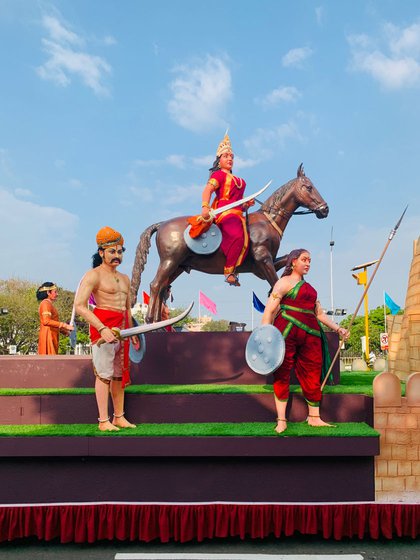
(275, 199)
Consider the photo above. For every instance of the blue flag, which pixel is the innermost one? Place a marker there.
(259, 306)
(393, 307)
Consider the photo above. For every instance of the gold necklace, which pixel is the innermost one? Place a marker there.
(238, 185)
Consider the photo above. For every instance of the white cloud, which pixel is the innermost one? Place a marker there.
(200, 93)
(279, 95)
(174, 160)
(179, 194)
(74, 183)
(5, 163)
(404, 41)
(396, 64)
(265, 142)
(295, 57)
(24, 193)
(204, 161)
(40, 236)
(319, 15)
(144, 193)
(241, 163)
(59, 33)
(110, 40)
(65, 62)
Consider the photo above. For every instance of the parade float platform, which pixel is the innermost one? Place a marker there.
(203, 462)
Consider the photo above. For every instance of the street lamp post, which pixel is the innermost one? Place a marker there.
(331, 271)
(332, 311)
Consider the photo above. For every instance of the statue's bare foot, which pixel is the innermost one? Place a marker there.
(122, 422)
(281, 425)
(106, 426)
(316, 422)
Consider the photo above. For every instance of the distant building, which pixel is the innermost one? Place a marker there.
(198, 326)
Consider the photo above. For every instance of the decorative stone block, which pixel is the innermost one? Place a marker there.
(387, 390)
(412, 390)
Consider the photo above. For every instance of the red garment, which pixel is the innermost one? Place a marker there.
(232, 223)
(50, 328)
(112, 319)
(303, 349)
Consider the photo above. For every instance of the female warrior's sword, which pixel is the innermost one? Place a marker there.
(378, 264)
(214, 213)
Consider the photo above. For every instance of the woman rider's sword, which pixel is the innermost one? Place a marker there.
(148, 327)
(214, 213)
(390, 237)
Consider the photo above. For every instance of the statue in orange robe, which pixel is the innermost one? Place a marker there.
(51, 327)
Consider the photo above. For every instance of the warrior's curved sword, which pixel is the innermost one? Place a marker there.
(148, 327)
(214, 213)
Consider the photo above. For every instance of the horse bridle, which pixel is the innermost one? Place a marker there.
(284, 212)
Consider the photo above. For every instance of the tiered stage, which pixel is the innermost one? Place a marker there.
(134, 487)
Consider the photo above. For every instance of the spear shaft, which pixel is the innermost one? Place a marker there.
(353, 318)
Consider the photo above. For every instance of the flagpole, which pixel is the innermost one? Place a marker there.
(385, 314)
(252, 312)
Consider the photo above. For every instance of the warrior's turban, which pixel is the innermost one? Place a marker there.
(107, 237)
(224, 146)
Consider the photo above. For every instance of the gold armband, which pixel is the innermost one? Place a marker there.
(274, 295)
(205, 205)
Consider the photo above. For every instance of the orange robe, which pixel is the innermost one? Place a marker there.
(50, 328)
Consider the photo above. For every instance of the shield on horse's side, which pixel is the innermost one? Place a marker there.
(206, 243)
(265, 349)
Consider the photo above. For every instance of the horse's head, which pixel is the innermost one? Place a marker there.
(307, 195)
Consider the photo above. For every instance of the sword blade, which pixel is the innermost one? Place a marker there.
(149, 327)
(239, 202)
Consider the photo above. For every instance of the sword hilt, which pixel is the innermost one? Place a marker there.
(117, 334)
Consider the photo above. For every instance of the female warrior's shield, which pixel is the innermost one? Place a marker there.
(265, 349)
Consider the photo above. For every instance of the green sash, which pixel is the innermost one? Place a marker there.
(326, 358)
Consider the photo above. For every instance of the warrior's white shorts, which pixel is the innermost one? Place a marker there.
(108, 361)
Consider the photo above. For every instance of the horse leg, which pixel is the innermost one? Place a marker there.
(280, 262)
(264, 267)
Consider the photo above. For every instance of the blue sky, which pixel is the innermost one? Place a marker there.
(111, 112)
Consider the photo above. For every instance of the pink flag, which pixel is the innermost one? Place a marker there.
(208, 303)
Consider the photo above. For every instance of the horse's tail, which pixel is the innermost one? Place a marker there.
(140, 260)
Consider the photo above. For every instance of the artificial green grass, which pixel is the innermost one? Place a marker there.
(362, 385)
(359, 383)
(204, 429)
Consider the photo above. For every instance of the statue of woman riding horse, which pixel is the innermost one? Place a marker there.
(265, 229)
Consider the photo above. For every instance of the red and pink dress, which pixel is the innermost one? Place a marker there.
(235, 239)
(306, 346)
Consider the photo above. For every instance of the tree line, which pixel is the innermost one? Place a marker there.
(20, 326)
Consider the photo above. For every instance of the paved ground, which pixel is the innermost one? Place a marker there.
(397, 549)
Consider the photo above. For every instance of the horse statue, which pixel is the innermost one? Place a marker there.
(266, 227)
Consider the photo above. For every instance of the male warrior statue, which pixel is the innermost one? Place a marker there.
(111, 292)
